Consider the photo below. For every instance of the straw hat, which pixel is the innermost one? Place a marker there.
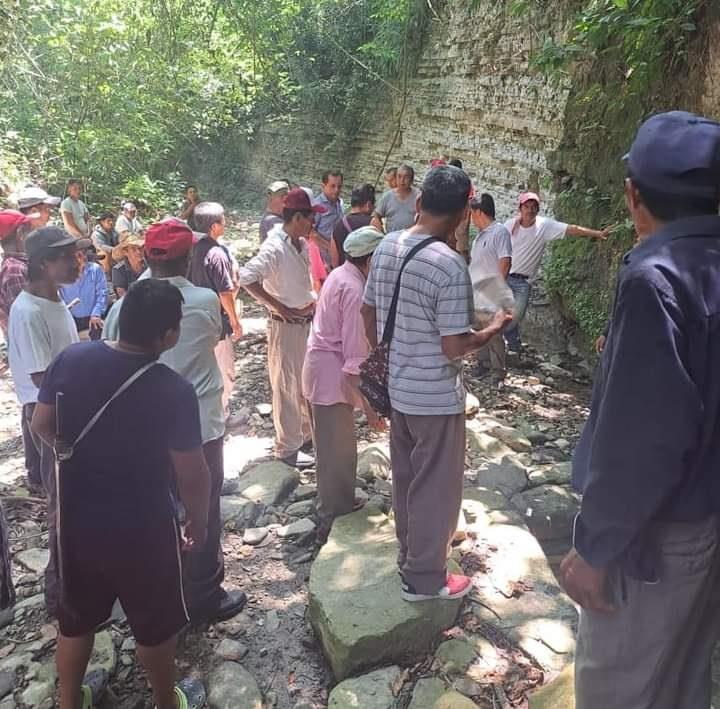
(128, 239)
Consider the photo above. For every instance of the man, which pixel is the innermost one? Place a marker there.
(276, 194)
(211, 267)
(13, 270)
(333, 209)
(530, 235)
(118, 532)
(106, 238)
(87, 297)
(40, 327)
(432, 335)
(398, 207)
(13, 276)
(75, 215)
(37, 202)
(489, 268)
(462, 233)
(279, 277)
(362, 204)
(168, 246)
(390, 178)
(187, 209)
(646, 561)
(128, 222)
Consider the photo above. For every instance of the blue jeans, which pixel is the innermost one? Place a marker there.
(520, 288)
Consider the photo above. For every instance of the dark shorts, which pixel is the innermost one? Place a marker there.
(141, 568)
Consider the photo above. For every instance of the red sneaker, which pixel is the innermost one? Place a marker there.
(456, 586)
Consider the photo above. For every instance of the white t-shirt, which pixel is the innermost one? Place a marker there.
(38, 330)
(528, 243)
(124, 224)
(490, 291)
(79, 213)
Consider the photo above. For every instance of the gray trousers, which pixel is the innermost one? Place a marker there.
(428, 462)
(336, 459)
(655, 650)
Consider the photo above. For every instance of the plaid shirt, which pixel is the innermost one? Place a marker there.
(13, 276)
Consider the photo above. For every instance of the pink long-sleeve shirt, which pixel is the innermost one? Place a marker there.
(337, 344)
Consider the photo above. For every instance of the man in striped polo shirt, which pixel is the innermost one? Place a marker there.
(432, 335)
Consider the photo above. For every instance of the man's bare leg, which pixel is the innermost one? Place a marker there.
(72, 657)
(159, 663)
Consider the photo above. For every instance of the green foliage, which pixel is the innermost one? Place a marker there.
(626, 59)
(124, 94)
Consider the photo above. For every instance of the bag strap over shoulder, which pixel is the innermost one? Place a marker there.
(392, 312)
(134, 377)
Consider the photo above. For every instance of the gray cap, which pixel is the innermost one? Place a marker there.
(32, 196)
(47, 237)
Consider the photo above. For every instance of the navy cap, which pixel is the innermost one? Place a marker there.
(47, 237)
(677, 153)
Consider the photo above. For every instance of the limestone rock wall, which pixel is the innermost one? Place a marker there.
(473, 96)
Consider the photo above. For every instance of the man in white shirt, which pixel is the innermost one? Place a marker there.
(530, 235)
(39, 328)
(279, 277)
(168, 245)
(128, 222)
(490, 260)
(75, 215)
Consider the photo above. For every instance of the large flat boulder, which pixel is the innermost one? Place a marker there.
(370, 691)
(558, 693)
(549, 511)
(355, 604)
(521, 597)
(270, 483)
(505, 476)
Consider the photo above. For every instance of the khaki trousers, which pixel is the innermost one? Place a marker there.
(654, 651)
(492, 355)
(225, 356)
(428, 460)
(287, 343)
(336, 461)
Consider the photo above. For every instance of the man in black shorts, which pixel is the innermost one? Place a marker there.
(118, 537)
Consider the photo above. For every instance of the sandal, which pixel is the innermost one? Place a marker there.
(190, 694)
(93, 687)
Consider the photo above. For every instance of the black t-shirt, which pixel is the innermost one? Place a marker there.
(120, 474)
(340, 232)
(123, 276)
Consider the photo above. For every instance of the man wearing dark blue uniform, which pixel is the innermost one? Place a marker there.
(645, 567)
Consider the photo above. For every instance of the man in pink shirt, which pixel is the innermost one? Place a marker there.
(336, 348)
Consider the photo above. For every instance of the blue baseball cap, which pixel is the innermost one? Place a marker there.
(677, 153)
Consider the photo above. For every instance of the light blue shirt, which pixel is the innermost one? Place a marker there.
(193, 357)
(91, 288)
(325, 223)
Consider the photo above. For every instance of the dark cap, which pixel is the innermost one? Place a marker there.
(47, 237)
(299, 200)
(677, 153)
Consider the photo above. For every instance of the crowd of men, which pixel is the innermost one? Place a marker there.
(132, 467)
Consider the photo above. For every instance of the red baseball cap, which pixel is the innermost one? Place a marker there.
(529, 197)
(168, 240)
(10, 220)
(298, 199)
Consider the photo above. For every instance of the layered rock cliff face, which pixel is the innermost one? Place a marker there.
(472, 96)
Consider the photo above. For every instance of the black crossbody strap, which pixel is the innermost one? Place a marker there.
(390, 322)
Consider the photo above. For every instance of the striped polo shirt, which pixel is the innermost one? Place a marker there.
(435, 300)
